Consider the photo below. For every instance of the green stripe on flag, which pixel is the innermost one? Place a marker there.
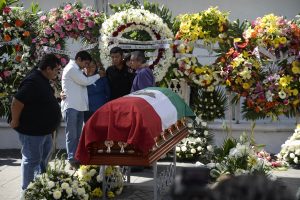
(183, 110)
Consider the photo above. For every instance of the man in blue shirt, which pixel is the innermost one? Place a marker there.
(144, 75)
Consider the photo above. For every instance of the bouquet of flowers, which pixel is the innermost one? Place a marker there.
(237, 157)
(290, 150)
(93, 176)
(17, 28)
(58, 184)
(198, 145)
(73, 21)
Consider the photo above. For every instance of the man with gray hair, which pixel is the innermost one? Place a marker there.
(144, 75)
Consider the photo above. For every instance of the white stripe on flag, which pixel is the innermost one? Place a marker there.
(164, 107)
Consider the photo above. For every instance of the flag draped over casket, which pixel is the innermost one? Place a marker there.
(135, 119)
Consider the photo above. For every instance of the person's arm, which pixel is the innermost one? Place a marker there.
(79, 78)
(16, 110)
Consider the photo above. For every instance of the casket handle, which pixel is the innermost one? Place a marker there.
(122, 145)
(109, 144)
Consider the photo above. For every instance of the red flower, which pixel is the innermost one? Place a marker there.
(6, 10)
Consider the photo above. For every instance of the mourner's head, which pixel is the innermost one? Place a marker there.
(137, 59)
(50, 66)
(116, 55)
(83, 59)
(91, 69)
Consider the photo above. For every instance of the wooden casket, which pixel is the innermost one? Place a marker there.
(133, 131)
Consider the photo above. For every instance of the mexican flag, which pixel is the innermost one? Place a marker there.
(166, 104)
(136, 119)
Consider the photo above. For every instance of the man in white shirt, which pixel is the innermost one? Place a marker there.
(74, 104)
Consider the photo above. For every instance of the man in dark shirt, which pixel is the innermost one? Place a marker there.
(119, 78)
(35, 116)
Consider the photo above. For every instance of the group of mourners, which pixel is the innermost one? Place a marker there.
(86, 86)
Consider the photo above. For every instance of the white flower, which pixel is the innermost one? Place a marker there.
(65, 185)
(81, 191)
(199, 148)
(297, 152)
(292, 155)
(204, 124)
(296, 160)
(269, 96)
(183, 148)
(193, 151)
(99, 178)
(205, 132)
(69, 191)
(93, 172)
(31, 185)
(210, 148)
(177, 149)
(51, 184)
(56, 194)
(282, 94)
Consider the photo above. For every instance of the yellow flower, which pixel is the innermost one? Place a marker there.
(296, 67)
(282, 40)
(285, 81)
(246, 86)
(198, 70)
(110, 194)
(295, 92)
(296, 102)
(228, 82)
(97, 192)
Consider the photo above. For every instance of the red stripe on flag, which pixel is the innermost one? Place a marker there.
(127, 119)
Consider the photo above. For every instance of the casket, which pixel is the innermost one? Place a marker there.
(134, 130)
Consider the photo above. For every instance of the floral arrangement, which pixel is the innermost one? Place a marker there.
(210, 26)
(237, 157)
(58, 184)
(198, 145)
(17, 28)
(69, 21)
(209, 105)
(290, 150)
(264, 67)
(138, 19)
(92, 175)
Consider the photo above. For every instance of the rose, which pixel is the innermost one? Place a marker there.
(6, 10)
(67, 7)
(56, 194)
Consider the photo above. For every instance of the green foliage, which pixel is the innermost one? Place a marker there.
(4, 3)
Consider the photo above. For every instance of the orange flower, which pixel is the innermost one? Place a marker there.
(7, 38)
(6, 25)
(26, 34)
(18, 47)
(18, 58)
(19, 23)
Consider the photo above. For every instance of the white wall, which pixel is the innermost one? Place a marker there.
(240, 9)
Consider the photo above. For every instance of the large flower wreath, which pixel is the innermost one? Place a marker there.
(265, 68)
(17, 27)
(132, 20)
(208, 26)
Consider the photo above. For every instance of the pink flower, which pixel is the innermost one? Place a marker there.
(91, 24)
(6, 73)
(87, 13)
(58, 46)
(63, 61)
(48, 31)
(6, 10)
(69, 27)
(67, 16)
(81, 26)
(57, 28)
(44, 40)
(52, 41)
(62, 35)
(81, 20)
(68, 7)
(43, 18)
(61, 22)
(78, 15)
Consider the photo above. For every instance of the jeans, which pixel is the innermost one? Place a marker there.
(36, 151)
(74, 123)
